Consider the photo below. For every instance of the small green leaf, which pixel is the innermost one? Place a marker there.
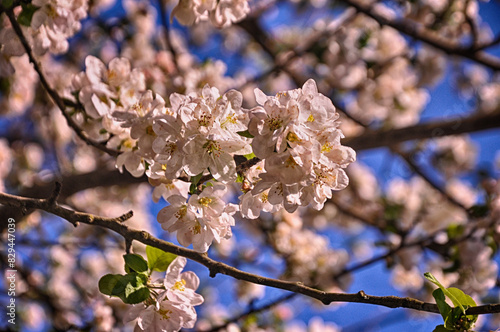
(26, 14)
(240, 178)
(135, 263)
(194, 183)
(250, 156)
(158, 259)
(479, 211)
(132, 288)
(364, 38)
(108, 282)
(245, 133)
(450, 295)
(444, 308)
(463, 298)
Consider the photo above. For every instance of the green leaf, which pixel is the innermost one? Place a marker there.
(250, 156)
(240, 178)
(444, 308)
(194, 183)
(440, 328)
(478, 211)
(450, 295)
(364, 38)
(108, 282)
(245, 133)
(463, 298)
(158, 259)
(135, 263)
(132, 288)
(26, 14)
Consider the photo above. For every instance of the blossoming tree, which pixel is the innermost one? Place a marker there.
(226, 133)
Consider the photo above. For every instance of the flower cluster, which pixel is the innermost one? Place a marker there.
(294, 134)
(173, 308)
(201, 220)
(221, 13)
(52, 23)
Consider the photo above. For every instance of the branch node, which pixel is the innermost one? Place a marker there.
(128, 245)
(326, 301)
(125, 216)
(55, 194)
(213, 271)
(73, 220)
(24, 210)
(362, 295)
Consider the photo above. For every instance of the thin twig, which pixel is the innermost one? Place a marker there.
(253, 311)
(166, 27)
(415, 168)
(52, 93)
(421, 33)
(492, 43)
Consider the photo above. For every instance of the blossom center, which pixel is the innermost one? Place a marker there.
(180, 285)
(196, 229)
(231, 118)
(327, 147)
(181, 213)
(274, 123)
(292, 137)
(205, 201)
(165, 313)
(212, 147)
(290, 162)
(139, 109)
(205, 120)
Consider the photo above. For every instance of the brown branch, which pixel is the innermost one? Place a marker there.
(299, 50)
(71, 184)
(215, 267)
(166, 29)
(253, 28)
(51, 92)
(415, 168)
(474, 26)
(459, 125)
(419, 32)
(494, 42)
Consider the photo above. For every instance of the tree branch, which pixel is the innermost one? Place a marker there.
(215, 267)
(71, 185)
(166, 29)
(383, 138)
(415, 168)
(51, 92)
(421, 33)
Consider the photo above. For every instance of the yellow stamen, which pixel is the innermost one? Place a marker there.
(205, 201)
(292, 137)
(180, 285)
(327, 147)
